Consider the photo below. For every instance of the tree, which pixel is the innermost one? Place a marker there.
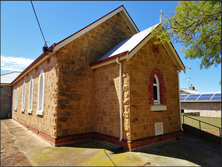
(197, 25)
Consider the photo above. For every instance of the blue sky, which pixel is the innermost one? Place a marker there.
(22, 42)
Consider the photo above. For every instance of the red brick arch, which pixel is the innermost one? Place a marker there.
(162, 88)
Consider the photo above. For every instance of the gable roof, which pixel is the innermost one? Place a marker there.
(56, 46)
(128, 44)
(128, 47)
(9, 77)
(120, 10)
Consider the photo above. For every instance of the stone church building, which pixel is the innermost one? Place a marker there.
(108, 81)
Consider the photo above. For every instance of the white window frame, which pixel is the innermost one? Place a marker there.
(30, 100)
(41, 94)
(23, 97)
(16, 98)
(158, 90)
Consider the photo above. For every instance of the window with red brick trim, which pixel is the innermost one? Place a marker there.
(156, 73)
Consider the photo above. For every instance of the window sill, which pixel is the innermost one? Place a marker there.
(29, 111)
(158, 107)
(39, 112)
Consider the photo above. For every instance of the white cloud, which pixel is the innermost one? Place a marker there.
(14, 63)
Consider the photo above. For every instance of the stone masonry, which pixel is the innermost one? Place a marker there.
(77, 110)
(206, 109)
(141, 65)
(47, 121)
(80, 101)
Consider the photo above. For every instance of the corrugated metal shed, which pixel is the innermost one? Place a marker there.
(9, 77)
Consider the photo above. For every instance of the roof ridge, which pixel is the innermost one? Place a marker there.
(97, 21)
(58, 45)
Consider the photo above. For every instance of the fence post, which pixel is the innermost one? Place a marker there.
(199, 125)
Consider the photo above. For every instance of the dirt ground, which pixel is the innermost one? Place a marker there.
(10, 154)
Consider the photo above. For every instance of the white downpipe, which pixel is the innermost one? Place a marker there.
(179, 98)
(120, 97)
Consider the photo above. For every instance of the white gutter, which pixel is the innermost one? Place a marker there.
(179, 98)
(120, 97)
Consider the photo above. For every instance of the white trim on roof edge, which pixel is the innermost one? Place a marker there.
(138, 47)
(67, 40)
(120, 10)
(168, 46)
(177, 57)
(33, 67)
(108, 62)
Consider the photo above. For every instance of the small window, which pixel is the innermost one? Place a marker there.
(23, 97)
(16, 98)
(30, 95)
(41, 93)
(156, 94)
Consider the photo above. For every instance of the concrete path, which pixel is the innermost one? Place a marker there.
(190, 150)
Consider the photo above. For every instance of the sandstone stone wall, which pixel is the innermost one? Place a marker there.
(107, 119)
(142, 120)
(81, 100)
(107, 116)
(6, 100)
(205, 109)
(46, 122)
(76, 100)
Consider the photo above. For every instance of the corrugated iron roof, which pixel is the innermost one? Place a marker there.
(9, 77)
(128, 44)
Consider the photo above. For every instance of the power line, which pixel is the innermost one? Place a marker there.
(38, 23)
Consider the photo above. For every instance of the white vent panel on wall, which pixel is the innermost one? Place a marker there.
(158, 128)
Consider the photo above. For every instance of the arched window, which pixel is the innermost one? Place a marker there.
(23, 97)
(156, 88)
(41, 93)
(30, 95)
